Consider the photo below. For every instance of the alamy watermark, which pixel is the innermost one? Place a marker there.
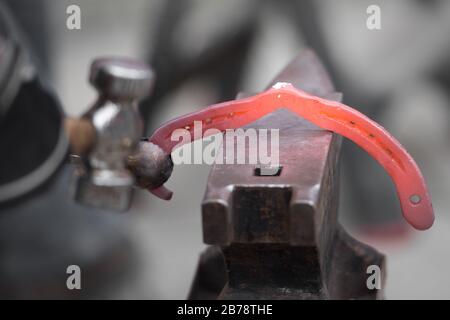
(73, 20)
(374, 280)
(73, 281)
(235, 146)
(373, 21)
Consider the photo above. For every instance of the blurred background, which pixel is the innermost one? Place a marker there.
(207, 51)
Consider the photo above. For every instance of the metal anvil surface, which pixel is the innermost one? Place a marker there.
(277, 237)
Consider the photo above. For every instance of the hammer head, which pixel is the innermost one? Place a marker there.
(121, 83)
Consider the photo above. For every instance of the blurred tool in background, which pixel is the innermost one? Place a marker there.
(42, 230)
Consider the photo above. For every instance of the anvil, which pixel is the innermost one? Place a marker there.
(278, 237)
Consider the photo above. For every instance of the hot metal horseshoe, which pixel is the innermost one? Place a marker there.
(330, 115)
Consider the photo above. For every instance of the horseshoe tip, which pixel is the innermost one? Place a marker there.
(162, 193)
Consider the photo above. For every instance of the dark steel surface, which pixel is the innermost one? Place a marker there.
(279, 235)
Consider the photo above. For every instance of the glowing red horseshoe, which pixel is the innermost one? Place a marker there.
(329, 115)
